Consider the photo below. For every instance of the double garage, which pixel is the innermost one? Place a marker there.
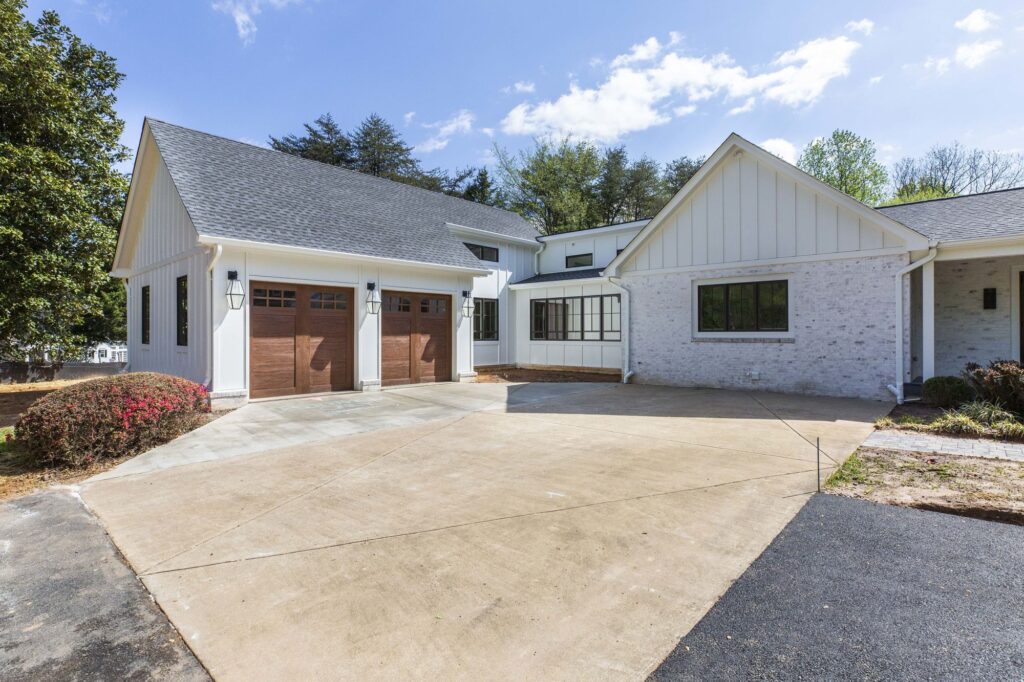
(302, 338)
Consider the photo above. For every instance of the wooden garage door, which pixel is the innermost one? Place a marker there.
(416, 343)
(300, 340)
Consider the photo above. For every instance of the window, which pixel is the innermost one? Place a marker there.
(580, 318)
(488, 253)
(485, 320)
(580, 260)
(327, 300)
(273, 298)
(181, 294)
(103, 354)
(434, 306)
(743, 307)
(396, 304)
(145, 315)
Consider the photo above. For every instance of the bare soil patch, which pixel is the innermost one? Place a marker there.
(916, 410)
(983, 488)
(516, 375)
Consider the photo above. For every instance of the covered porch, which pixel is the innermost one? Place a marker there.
(965, 306)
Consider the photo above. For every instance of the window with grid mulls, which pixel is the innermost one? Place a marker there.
(743, 307)
(576, 318)
(485, 319)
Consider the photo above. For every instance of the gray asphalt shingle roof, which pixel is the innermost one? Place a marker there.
(241, 191)
(974, 216)
(562, 276)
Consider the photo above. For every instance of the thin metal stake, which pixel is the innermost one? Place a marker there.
(818, 454)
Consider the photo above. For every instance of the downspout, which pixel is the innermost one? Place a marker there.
(536, 257)
(217, 251)
(627, 371)
(897, 388)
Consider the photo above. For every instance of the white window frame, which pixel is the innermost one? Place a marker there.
(742, 336)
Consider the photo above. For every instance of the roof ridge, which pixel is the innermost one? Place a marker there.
(959, 196)
(342, 169)
(596, 227)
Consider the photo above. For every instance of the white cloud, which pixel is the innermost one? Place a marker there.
(939, 65)
(637, 96)
(865, 26)
(743, 108)
(461, 122)
(875, 80)
(782, 148)
(408, 117)
(973, 55)
(977, 21)
(641, 52)
(245, 11)
(684, 110)
(524, 86)
(489, 132)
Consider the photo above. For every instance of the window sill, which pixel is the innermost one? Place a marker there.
(743, 339)
(486, 342)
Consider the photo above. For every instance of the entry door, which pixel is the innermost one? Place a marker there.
(416, 342)
(301, 339)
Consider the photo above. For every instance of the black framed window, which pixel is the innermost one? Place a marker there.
(488, 253)
(743, 307)
(485, 319)
(580, 260)
(145, 310)
(576, 318)
(181, 306)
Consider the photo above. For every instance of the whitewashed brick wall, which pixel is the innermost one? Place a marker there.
(843, 333)
(964, 330)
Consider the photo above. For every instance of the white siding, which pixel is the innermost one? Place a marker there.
(583, 354)
(605, 245)
(515, 263)
(165, 249)
(747, 211)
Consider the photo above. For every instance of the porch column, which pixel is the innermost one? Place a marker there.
(928, 320)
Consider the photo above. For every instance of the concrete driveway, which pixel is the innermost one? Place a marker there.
(465, 531)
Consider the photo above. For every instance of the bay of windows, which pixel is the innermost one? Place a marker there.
(576, 318)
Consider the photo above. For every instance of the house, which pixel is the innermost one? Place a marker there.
(106, 352)
(261, 274)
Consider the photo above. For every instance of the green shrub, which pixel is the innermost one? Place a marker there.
(110, 417)
(957, 424)
(1011, 429)
(946, 392)
(985, 412)
(1002, 382)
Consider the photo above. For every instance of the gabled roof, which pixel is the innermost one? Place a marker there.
(239, 191)
(975, 216)
(734, 142)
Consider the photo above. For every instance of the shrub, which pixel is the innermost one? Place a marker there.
(985, 412)
(1009, 429)
(110, 417)
(1002, 382)
(957, 424)
(946, 392)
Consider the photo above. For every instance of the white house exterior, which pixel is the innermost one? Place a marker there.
(106, 352)
(754, 276)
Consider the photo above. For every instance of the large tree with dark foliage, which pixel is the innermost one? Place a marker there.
(324, 141)
(62, 194)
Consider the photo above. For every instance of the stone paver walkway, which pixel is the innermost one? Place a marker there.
(926, 442)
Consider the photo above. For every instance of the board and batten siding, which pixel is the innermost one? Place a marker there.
(514, 263)
(167, 248)
(748, 211)
(604, 245)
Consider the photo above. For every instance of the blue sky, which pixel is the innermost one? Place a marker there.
(664, 78)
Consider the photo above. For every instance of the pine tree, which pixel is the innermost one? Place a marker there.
(481, 189)
(381, 151)
(324, 141)
(611, 184)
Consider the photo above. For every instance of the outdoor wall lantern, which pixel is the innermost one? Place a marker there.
(236, 294)
(372, 298)
(467, 304)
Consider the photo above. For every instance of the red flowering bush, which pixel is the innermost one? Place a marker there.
(110, 417)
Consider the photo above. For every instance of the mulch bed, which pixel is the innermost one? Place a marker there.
(919, 410)
(516, 375)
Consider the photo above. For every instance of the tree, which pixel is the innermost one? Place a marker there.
(612, 184)
(553, 184)
(677, 173)
(324, 141)
(953, 169)
(62, 194)
(847, 162)
(481, 189)
(380, 151)
(644, 190)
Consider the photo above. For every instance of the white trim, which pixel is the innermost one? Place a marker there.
(740, 264)
(736, 144)
(986, 248)
(487, 234)
(696, 282)
(927, 320)
(302, 250)
(558, 283)
(1015, 302)
(604, 229)
(183, 255)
